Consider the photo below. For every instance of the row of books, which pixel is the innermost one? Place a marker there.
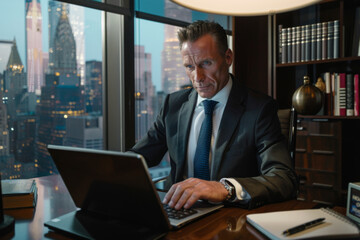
(341, 94)
(310, 42)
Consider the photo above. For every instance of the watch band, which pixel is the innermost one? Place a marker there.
(230, 188)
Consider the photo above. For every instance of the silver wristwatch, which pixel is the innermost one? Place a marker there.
(230, 188)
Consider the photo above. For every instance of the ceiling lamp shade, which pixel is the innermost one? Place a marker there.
(244, 7)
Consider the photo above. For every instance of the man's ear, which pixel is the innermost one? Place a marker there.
(229, 57)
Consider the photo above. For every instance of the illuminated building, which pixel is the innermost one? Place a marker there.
(144, 97)
(84, 131)
(4, 136)
(75, 16)
(173, 72)
(93, 87)
(61, 97)
(21, 121)
(35, 72)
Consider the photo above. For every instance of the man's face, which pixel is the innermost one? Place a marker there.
(206, 67)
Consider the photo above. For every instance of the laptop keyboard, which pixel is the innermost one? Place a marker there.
(178, 214)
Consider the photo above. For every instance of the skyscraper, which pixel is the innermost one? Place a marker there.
(4, 136)
(84, 131)
(145, 95)
(35, 72)
(173, 73)
(64, 52)
(55, 11)
(76, 19)
(20, 116)
(15, 79)
(61, 97)
(93, 87)
(5, 49)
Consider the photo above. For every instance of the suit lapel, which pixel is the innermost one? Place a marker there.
(184, 123)
(229, 122)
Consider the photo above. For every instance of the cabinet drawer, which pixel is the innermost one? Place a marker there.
(323, 144)
(319, 195)
(317, 179)
(321, 162)
(316, 161)
(306, 127)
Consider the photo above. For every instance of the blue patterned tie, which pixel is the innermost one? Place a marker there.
(201, 159)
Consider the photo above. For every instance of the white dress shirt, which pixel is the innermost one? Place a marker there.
(221, 97)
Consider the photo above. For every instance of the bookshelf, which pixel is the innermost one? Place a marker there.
(327, 154)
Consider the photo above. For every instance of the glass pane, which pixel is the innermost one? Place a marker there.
(51, 83)
(166, 8)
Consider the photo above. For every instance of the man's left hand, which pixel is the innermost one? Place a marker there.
(186, 193)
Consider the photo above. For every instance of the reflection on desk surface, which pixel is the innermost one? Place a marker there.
(53, 200)
(228, 223)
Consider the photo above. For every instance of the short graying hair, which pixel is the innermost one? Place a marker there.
(200, 28)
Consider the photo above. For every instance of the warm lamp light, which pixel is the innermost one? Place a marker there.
(244, 7)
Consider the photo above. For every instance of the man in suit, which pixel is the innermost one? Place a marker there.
(248, 163)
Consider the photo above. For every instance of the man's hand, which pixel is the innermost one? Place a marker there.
(186, 193)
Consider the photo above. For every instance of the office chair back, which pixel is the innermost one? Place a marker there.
(288, 121)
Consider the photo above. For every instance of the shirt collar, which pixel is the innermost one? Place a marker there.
(221, 97)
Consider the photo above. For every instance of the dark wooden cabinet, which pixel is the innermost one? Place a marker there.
(327, 147)
(318, 164)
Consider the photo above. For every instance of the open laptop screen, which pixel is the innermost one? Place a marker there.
(112, 185)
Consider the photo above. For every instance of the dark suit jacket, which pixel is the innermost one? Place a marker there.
(249, 148)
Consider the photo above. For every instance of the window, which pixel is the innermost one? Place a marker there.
(59, 58)
(51, 83)
(158, 63)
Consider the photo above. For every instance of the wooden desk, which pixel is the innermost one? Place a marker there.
(228, 223)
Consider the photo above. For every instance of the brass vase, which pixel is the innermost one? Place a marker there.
(307, 99)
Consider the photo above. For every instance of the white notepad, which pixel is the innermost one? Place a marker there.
(273, 224)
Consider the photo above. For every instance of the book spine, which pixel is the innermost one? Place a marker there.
(307, 43)
(336, 39)
(342, 94)
(328, 93)
(349, 94)
(330, 40)
(284, 45)
(318, 41)
(324, 33)
(333, 77)
(302, 44)
(356, 35)
(336, 94)
(356, 95)
(280, 43)
(289, 37)
(313, 41)
(297, 44)
(293, 44)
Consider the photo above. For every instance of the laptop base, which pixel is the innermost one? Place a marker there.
(84, 226)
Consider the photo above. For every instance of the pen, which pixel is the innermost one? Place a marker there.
(303, 227)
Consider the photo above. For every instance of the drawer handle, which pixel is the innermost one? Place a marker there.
(321, 135)
(299, 128)
(323, 185)
(300, 150)
(323, 202)
(323, 152)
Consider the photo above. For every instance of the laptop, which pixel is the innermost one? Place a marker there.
(115, 196)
